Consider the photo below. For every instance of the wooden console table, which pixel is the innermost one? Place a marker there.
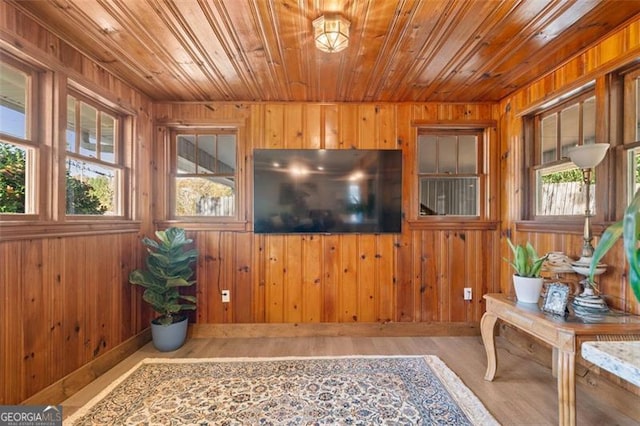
(564, 336)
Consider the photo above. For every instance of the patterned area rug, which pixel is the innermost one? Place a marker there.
(407, 390)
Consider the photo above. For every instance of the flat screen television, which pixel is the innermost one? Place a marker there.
(327, 191)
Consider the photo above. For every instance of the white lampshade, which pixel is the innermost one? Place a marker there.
(588, 156)
(331, 33)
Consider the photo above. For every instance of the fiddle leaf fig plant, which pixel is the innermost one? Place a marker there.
(629, 229)
(526, 262)
(168, 269)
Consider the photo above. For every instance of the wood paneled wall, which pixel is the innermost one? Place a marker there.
(617, 51)
(66, 300)
(416, 276)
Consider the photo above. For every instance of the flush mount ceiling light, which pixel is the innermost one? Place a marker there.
(331, 33)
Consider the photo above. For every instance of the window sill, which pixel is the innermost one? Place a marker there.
(23, 230)
(192, 225)
(558, 227)
(452, 223)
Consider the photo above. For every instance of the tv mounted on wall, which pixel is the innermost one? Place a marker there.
(327, 191)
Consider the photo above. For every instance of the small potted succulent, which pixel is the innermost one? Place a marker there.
(168, 269)
(527, 266)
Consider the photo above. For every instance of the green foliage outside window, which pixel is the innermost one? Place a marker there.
(81, 198)
(12, 178)
(573, 175)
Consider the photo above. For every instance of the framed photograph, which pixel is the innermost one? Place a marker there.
(556, 299)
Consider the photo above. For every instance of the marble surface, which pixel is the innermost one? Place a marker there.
(619, 358)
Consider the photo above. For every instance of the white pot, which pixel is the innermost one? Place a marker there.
(527, 289)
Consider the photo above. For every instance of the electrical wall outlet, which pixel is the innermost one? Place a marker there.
(467, 293)
(226, 296)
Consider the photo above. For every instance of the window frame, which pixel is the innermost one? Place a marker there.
(240, 193)
(480, 172)
(37, 167)
(532, 148)
(122, 146)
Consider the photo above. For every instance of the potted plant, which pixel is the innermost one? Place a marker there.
(527, 265)
(628, 229)
(168, 270)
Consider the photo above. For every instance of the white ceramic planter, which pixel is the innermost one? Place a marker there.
(527, 289)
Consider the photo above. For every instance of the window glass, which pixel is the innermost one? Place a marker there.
(449, 196)
(589, 121)
(549, 137)
(91, 188)
(18, 151)
(634, 172)
(71, 124)
(569, 128)
(467, 158)
(448, 178)
(13, 101)
(88, 131)
(13, 179)
(427, 153)
(561, 191)
(107, 134)
(94, 178)
(205, 174)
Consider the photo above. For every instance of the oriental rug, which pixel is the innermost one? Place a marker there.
(363, 390)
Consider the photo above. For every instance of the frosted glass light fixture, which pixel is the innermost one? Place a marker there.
(331, 33)
(586, 157)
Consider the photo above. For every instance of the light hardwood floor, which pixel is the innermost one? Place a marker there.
(523, 393)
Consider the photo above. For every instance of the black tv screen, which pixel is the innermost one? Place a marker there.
(327, 191)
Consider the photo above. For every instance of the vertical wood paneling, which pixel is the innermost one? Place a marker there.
(331, 278)
(312, 297)
(242, 282)
(348, 281)
(274, 278)
(293, 281)
(368, 284)
(386, 267)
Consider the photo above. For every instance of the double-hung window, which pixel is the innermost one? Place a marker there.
(204, 168)
(558, 182)
(449, 172)
(632, 131)
(20, 147)
(94, 162)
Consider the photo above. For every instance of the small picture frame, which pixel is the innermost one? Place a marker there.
(556, 299)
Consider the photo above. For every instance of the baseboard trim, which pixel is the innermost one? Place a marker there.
(387, 329)
(70, 384)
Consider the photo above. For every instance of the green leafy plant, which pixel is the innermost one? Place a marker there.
(628, 228)
(168, 269)
(526, 261)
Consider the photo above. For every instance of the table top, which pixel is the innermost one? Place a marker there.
(619, 358)
(611, 323)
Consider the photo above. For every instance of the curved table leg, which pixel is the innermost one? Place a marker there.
(487, 326)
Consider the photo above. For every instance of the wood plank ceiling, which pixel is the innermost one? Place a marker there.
(263, 50)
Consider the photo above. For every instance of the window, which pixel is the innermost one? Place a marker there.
(558, 182)
(205, 173)
(449, 169)
(94, 165)
(632, 131)
(19, 146)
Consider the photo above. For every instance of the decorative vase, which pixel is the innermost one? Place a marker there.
(528, 289)
(170, 337)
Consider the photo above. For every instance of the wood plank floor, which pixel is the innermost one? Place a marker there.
(523, 393)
